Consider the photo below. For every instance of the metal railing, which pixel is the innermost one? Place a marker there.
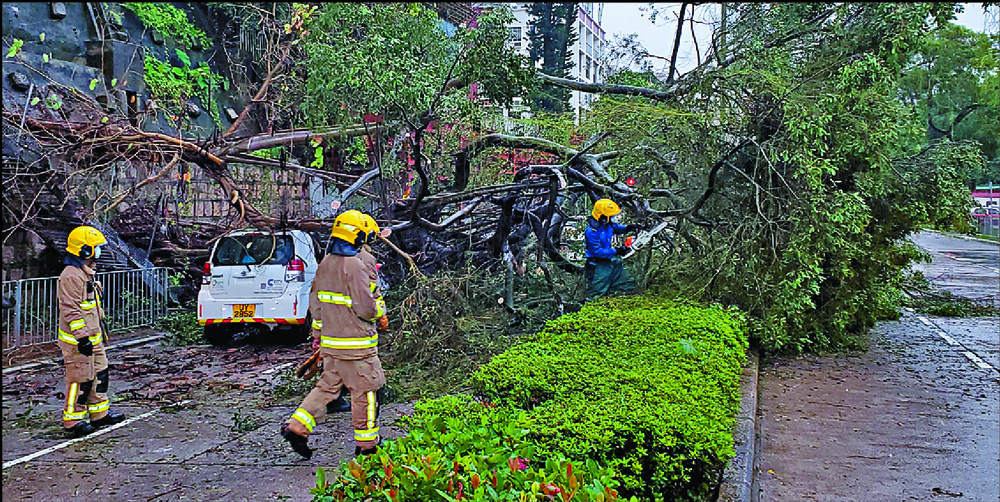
(132, 298)
(989, 225)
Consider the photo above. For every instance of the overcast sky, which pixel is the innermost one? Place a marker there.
(626, 18)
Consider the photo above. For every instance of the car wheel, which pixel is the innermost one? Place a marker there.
(219, 336)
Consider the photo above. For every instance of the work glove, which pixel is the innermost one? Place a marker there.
(382, 323)
(622, 250)
(315, 344)
(85, 347)
(309, 368)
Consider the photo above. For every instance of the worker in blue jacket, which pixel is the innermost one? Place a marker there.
(604, 271)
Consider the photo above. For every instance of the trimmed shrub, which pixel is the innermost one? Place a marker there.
(647, 386)
(635, 394)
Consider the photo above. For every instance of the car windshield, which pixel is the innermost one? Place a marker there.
(254, 249)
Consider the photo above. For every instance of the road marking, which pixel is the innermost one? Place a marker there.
(26, 458)
(950, 340)
(277, 368)
(979, 362)
(56, 360)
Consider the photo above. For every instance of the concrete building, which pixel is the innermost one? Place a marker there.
(587, 51)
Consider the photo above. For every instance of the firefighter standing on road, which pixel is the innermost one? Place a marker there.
(372, 231)
(344, 310)
(81, 338)
(604, 271)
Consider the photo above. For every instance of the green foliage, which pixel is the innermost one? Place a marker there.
(482, 456)
(953, 82)
(15, 47)
(182, 328)
(170, 21)
(551, 35)
(244, 423)
(394, 58)
(172, 86)
(646, 385)
(291, 387)
(816, 178)
(635, 395)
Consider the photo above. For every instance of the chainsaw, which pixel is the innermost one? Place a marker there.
(644, 238)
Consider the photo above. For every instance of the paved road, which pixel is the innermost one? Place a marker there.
(206, 428)
(916, 417)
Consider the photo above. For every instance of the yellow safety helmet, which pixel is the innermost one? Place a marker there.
(605, 207)
(350, 226)
(371, 226)
(83, 241)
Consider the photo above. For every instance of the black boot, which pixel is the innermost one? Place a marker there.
(367, 451)
(298, 442)
(340, 404)
(111, 418)
(81, 429)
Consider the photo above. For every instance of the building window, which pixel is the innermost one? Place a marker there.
(588, 68)
(515, 34)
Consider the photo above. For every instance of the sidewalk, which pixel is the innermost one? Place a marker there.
(911, 419)
(916, 417)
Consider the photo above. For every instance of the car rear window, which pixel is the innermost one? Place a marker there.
(254, 249)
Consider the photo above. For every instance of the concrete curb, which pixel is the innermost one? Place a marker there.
(738, 475)
(960, 236)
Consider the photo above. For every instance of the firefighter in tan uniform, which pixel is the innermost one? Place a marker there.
(364, 252)
(344, 310)
(81, 338)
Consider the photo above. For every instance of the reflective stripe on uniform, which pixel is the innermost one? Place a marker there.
(349, 343)
(379, 307)
(88, 305)
(335, 298)
(77, 324)
(99, 407)
(371, 433)
(68, 338)
(305, 419)
(366, 435)
(317, 324)
(372, 285)
(68, 413)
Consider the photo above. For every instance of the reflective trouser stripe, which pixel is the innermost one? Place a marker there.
(68, 338)
(68, 413)
(77, 324)
(371, 433)
(317, 324)
(349, 343)
(335, 298)
(99, 407)
(88, 305)
(305, 419)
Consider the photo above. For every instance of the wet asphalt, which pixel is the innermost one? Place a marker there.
(203, 425)
(915, 417)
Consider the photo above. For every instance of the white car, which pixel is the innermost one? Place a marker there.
(258, 277)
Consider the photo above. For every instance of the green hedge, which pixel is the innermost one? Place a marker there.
(638, 393)
(649, 387)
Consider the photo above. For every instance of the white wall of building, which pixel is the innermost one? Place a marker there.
(587, 52)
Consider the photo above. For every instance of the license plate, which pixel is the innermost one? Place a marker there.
(243, 310)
